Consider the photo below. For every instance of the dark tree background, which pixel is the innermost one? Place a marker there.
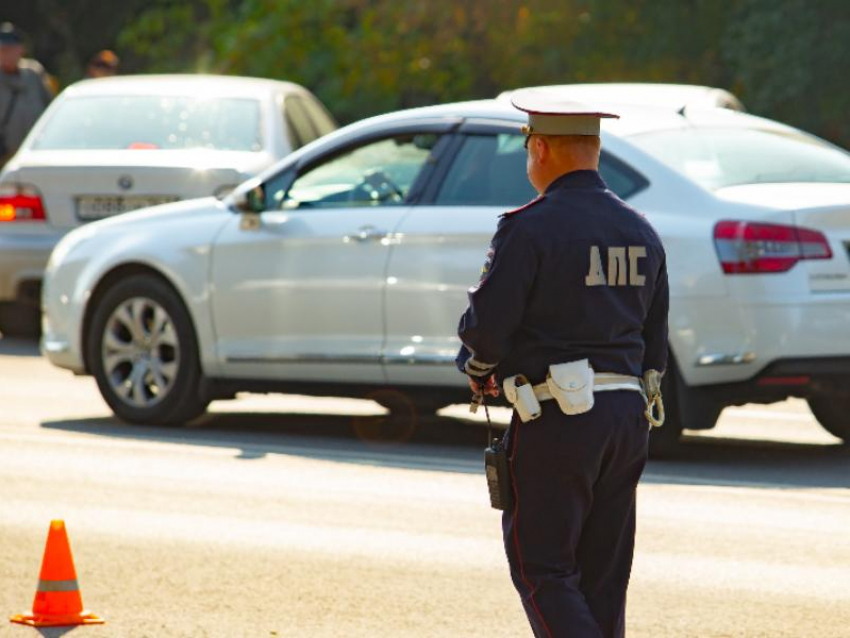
(785, 59)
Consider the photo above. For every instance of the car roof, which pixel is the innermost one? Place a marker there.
(634, 119)
(181, 84)
(648, 94)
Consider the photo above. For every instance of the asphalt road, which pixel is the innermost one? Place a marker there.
(280, 516)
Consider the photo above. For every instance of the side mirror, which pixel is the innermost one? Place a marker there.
(252, 200)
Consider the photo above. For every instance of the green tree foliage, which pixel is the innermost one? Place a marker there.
(65, 34)
(789, 59)
(784, 58)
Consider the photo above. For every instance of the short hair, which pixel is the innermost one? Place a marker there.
(575, 141)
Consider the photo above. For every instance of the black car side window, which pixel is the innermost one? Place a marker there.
(489, 170)
(623, 180)
(275, 189)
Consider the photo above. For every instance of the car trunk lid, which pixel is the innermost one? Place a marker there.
(818, 206)
(81, 186)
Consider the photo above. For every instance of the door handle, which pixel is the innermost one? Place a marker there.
(364, 234)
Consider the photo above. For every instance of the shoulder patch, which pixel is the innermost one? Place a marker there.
(534, 201)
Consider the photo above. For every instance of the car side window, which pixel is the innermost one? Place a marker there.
(488, 170)
(623, 180)
(275, 189)
(298, 124)
(323, 123)
(378, 173)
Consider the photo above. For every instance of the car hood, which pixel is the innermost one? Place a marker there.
(190, 222)
(795, 196)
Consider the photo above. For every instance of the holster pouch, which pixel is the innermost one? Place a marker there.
(571, 385)
(498, 472)
(520, 393)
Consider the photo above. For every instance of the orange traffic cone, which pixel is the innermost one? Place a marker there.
(57, 598)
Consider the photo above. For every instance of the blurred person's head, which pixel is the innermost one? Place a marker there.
(103, 64)
(11, 47)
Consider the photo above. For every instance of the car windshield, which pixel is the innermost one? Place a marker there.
(720, 157)
(153, 122)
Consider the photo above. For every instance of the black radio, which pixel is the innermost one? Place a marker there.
(498, 472)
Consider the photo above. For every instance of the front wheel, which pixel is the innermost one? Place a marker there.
(833, 413)
(143, 353)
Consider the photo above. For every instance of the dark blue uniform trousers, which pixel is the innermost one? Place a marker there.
(570, 537)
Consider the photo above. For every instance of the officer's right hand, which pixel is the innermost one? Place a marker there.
(488, 387)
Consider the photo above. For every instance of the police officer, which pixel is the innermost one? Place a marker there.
(571, 314)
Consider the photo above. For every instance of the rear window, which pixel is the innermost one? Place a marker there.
(720, 157)
(153, 122)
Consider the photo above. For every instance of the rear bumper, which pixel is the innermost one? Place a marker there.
(781, 379)
(22, 262)
(732, 341)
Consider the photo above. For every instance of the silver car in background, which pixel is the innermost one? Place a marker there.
(112, 145)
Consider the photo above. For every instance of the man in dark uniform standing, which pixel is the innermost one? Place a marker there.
(575, 277)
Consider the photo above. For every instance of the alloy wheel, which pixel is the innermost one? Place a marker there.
(140, 352)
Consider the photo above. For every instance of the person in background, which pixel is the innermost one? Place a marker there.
(103, 65)
(24, 91)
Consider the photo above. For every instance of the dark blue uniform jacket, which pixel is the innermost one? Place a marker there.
(574, 274)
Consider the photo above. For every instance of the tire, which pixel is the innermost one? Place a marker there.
(402, 403)
(398, 426)
(143, 353)
(665, 441)
(20, 320)
(833, 413)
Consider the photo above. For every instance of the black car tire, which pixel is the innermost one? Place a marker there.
(833, 413)
(112, 320)
(20, 320)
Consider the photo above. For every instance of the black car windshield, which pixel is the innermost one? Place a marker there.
(153, 122)
(717, 157)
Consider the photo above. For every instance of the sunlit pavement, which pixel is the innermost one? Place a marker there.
(272, 517)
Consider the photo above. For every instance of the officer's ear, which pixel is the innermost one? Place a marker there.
(542, 149)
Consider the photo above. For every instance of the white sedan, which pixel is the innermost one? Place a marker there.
(112, 145)
(344, 268)
(676, 96)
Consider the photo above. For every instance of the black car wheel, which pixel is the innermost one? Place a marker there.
(20, 320)
(833, 413)
(143, 353)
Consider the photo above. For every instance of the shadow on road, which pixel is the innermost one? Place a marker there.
(754, 463)
(447, 444)
(432, 443)
(55, 632)
(19, 347)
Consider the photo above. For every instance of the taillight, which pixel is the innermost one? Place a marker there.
(748, 247)
(20, 203)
